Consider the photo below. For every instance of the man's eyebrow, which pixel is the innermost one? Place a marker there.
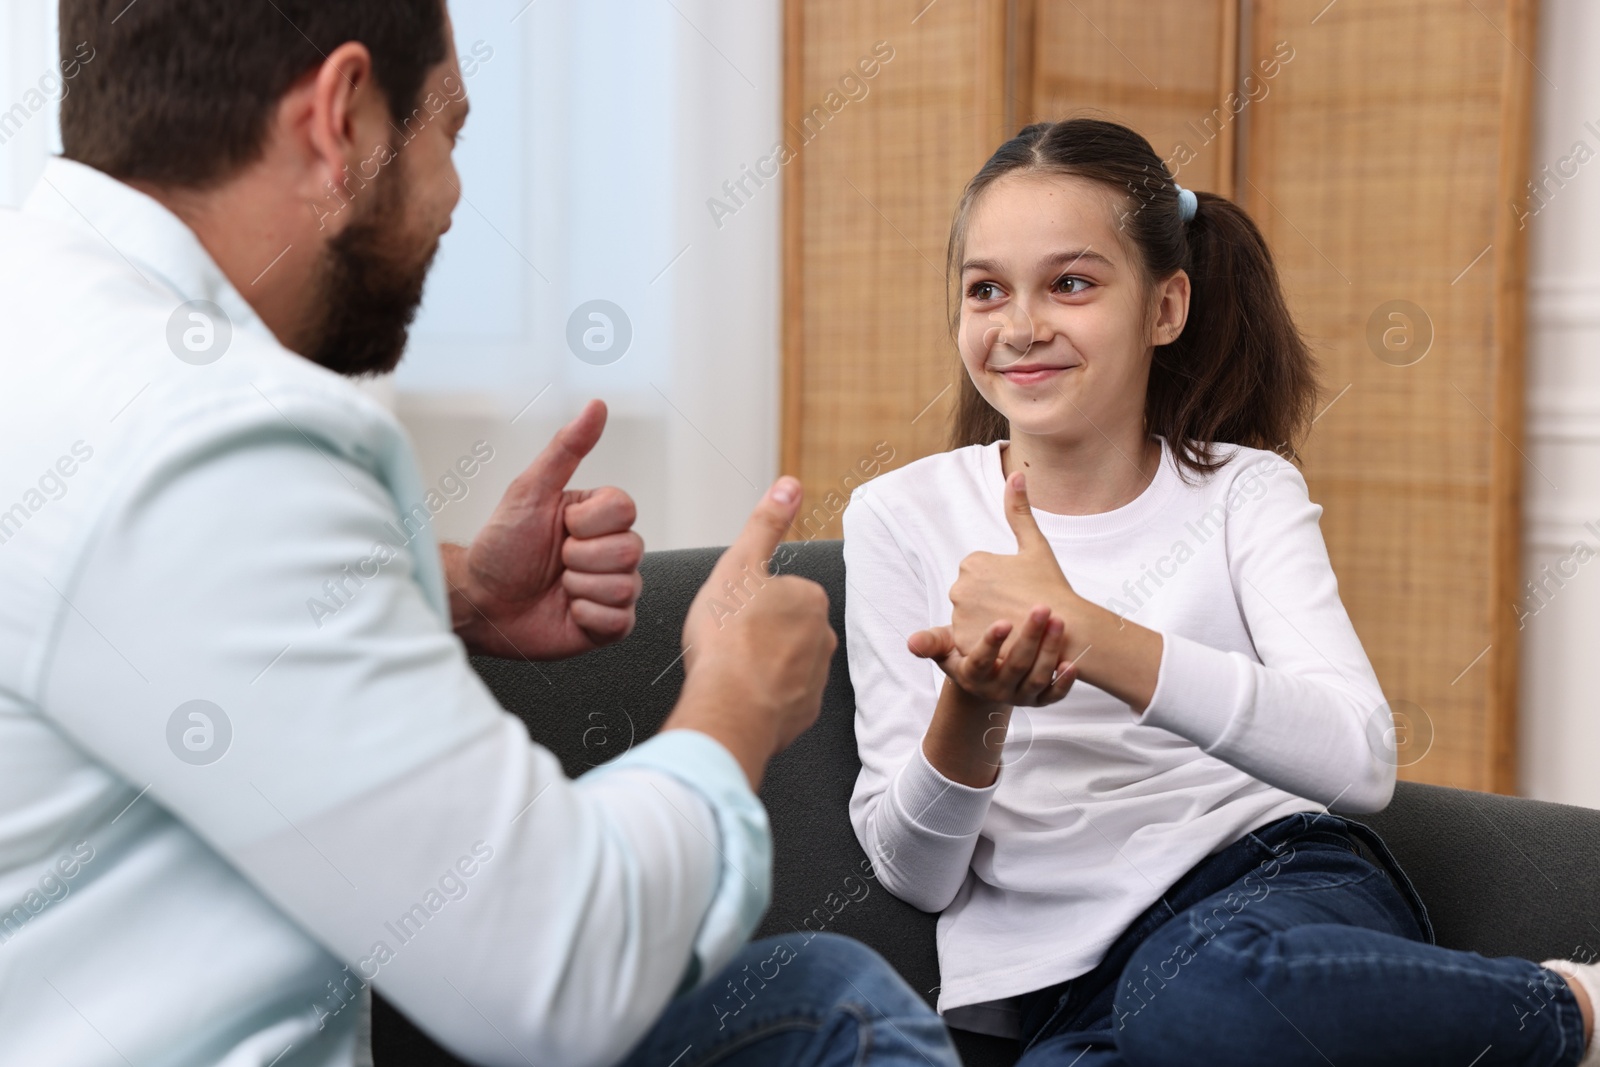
(1056, 259)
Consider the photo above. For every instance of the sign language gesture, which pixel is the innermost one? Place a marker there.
(1017, 633)
(1005, 644)
(555, 571)
(756, 647)
(1030, 673)
(1118, 656)
(992, 587)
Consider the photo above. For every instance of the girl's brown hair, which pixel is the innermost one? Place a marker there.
(1240, 373)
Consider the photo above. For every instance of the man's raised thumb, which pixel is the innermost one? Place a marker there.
(553, 468)
(768, 523)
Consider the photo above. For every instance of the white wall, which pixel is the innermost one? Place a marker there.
(1560, 705)
(27, 60)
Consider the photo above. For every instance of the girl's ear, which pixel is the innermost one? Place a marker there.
(1172, 308)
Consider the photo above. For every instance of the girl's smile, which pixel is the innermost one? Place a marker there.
(1031, 374)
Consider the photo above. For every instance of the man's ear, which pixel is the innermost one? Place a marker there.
(1172, 308)
(337, 121)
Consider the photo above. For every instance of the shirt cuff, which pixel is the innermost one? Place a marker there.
(1198, 691)
(744, 887)
(936, 804)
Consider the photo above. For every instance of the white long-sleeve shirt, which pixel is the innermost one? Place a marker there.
(209, 883)
(1265, 705)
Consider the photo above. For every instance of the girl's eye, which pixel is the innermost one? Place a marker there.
(1082, 284)
(983, 291)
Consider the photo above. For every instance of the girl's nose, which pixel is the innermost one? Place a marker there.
(1016, 328)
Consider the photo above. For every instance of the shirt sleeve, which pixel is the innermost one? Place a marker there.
(1310, 717)
(744, 883)
(248, 640)
(919, 827)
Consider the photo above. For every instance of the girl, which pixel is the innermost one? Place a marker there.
(1144, 870)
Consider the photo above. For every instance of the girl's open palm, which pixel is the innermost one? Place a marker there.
(1032, 673)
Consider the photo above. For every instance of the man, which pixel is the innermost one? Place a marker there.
(245, 766)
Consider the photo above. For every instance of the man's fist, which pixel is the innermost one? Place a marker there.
(555, 571)
(756, 647)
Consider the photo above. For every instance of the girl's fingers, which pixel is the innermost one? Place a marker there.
(1044, 664)
(981, 660)
(1024, 650)
(1066, 674)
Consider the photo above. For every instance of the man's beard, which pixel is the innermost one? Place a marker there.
(372, 286)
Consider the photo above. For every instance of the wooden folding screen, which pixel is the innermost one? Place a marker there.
(1382, 148)
(1386, 172)
(868, 195)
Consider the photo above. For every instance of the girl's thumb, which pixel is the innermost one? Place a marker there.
(934, 644)
(1019, 514)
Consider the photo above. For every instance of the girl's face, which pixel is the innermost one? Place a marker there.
(1057, 324)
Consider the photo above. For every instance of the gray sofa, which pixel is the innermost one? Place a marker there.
(1500, 875)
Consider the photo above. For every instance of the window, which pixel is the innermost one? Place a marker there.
(599, 133)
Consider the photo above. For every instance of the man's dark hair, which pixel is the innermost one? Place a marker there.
(180, 92)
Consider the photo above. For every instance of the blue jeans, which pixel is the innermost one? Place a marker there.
(1287, 948)
(807, 1000)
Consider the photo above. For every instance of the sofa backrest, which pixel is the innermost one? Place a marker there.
(591, 709)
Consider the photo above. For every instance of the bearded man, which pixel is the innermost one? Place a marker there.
(222, 816)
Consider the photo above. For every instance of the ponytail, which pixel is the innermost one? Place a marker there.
(1239, 373)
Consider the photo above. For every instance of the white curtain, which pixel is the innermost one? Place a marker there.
(30, 94)
(600, 130)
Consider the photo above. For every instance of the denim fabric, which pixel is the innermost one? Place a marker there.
(1290, 947)
(807, 1000)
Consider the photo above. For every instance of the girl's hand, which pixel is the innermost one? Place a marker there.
(1031, 673)
(992, 586)
(1119, 656)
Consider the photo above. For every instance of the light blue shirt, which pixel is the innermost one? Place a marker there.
(222, 810)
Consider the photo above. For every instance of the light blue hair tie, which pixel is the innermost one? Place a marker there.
(1188, 203)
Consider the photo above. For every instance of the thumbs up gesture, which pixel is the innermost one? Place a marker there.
(997, 597)
(756, 646)
(555, 571)
(1009, 634)
(995, 587)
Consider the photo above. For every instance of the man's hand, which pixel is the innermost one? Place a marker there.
(756, 647)
(555, 571)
